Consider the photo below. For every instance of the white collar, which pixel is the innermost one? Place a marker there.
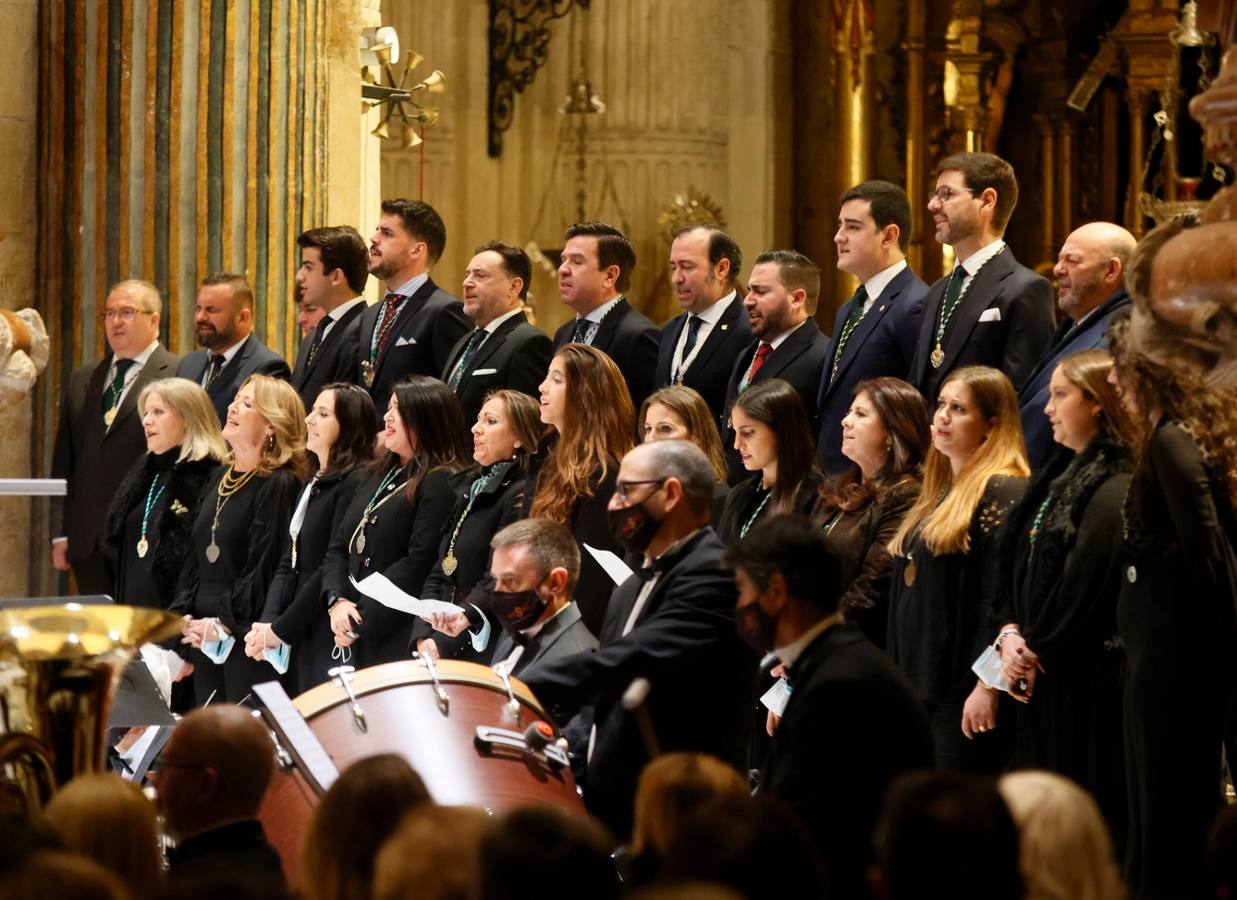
(493, 326)
(533, 630)
(338, 312)
(792, 651)
(600, 312)
(142, 358)
(876, 285)
(411, 286)
(230, 352)
(780, 339)
(717, 308)
(976, 260)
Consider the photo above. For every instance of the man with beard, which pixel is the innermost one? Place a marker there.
(781, 297)
(990, 310)
(223, 321)
(670, 626)
(414, 328)
(1090, 273)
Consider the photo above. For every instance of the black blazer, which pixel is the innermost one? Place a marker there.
(93, 458)
(853, 724)
(702, 676)
(335, 359)
(401, 542)
(883, 343)
(797, 361)
(1012, 339)
(427, 328)
(252, 357)
(631, 340)
(709, 373)
(516, 356)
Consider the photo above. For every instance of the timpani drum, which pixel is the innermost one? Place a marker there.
(461, 733)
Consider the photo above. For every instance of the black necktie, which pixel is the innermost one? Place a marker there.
(693, 331)
(583, 329)
(213, 368)
(470, 350)
(316, 345)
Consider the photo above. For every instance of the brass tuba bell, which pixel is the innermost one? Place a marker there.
(59, 667)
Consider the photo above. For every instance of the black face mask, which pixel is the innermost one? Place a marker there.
(633, 527)
(517, 610)
(756, 627)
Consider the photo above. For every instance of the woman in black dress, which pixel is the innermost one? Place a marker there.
(240, 534)
(1057, 626)
(947, 568)
(153, 512)
(395, 522)
(1175, 614)
(505, 436)
(340, 439)
(678, 412)
(772, 436)
(585, 400)
(886, 435)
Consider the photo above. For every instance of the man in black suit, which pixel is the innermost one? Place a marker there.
(100, 433)
(503, 350)
(990, 310)
(699, 346)
(670, 625)
(334, 268)
(781, 297)
(874, 334)
(853, 722)
(1090, 273)
(223, 320)
(412, 331)
(594, 274)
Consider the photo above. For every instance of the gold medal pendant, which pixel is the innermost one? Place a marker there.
(360, 542)
(142, 547)
(908, 574)
(450, 563)
(367, 373)
(212, 553)
(937, 357)
(109, 417)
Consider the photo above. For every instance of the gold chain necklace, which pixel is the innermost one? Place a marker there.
(228, 485)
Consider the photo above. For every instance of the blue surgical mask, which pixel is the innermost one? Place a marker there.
(278, 657)
(217, 651)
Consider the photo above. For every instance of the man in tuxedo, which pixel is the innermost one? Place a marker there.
(874, 334)
(1090, 273)
(223, 321)
(781, 297)
(412, 331)
(990, 310)
(670, 626)
(100, 433)
(334, 268)
(594, 275)
(502, 350)
(699, 346)
(853, 722)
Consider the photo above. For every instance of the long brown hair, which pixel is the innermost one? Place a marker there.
(947, 505)
(688, 405)
(431, 413)
(904, 415)
(597, 432)
(778, 405)
(1088, 371)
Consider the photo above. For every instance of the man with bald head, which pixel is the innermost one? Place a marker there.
(1090, 274)
(100, 434)
(210, 780)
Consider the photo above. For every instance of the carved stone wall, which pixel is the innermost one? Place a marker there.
(692, 101)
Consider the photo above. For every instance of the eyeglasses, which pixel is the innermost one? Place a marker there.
(127, 314)
(945, 193)
(623, 488)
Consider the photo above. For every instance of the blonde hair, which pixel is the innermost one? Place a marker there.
(110, 821)
(283, 410)
(688, 405)
(1088, 371)
(1065, 851)
(671, 788)
(188, 400)
(947, 505)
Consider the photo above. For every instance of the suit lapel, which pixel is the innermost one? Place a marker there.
(553, 630)
(411, 307)
(983, 292)
(866, 326)
(619, 609)
(227, 377)
(610, 324)
(927, 329)
(717, 335)
(494, 341)
(332, 337)
(792, 348)
(665, 352)
(156, 367)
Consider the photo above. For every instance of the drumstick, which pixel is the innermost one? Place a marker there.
(633, 701)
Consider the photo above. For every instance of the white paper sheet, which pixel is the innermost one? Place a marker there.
(618, 570)
(381, 589)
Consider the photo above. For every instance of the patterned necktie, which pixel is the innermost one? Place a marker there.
(316, 345)
(386, 322)
(693, 330)
(583, 331)
(213, 368)
(470, 350)
(852, 322)
(758, 360)
(116, 387)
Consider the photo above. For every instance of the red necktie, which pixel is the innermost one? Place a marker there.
(758, 360)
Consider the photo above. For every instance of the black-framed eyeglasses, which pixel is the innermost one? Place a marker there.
(945, 193)
(622, 488)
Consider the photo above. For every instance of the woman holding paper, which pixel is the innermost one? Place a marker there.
(505, 437)
(586, 402)
(947, 570)
(240, 535)
(1058, 624)
(395, 521)
(294, 633)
